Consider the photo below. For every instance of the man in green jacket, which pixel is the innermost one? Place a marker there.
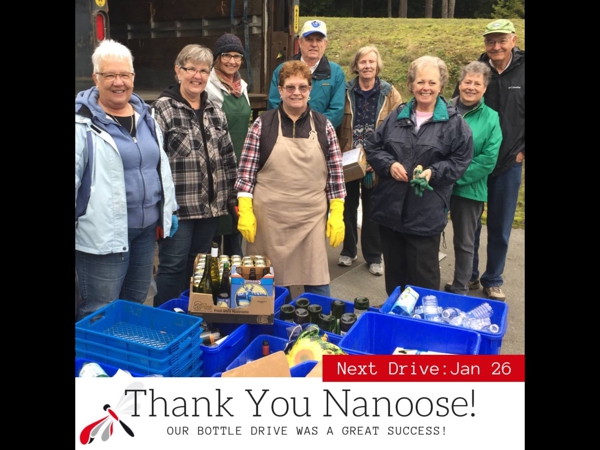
(470, 191)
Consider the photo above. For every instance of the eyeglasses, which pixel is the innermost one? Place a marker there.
(227, 56)
(109, 76)
(497, 41)
(194, 71)
(291, 89)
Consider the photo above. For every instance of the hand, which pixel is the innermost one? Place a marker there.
(398, 172)
(174, 225)
(335, 222)
(420, 180)
(247, 221)
(520, 157)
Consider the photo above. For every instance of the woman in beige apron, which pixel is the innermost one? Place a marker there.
(285, 180)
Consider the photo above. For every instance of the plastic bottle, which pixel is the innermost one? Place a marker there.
(405, 304)
(265, 348)
(361, 305)
(92, 370)
(450, 313)
(481, 312)
(430, 309)
(478, 324)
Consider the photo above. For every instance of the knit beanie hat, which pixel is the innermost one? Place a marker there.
(228, 43)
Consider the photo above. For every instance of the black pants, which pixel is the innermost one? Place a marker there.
(369, 234)
(410, 259)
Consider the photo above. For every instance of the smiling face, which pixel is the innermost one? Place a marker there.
(312, 47)
(426, 87)
(367, 67)
(193, 78)
(114, 94)
(229, 63)
(294, 94)
(471, 88)
(498, 47)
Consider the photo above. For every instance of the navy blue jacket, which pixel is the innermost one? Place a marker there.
(443, 144)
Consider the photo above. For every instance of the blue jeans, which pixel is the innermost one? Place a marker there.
(503, 194)
(177, 254)
(322, 289)
(127, 276)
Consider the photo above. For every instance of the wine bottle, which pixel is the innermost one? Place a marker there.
(214, 270)
(224, 299)
(206, 286)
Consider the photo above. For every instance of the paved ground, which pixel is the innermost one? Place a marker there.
(349, 282)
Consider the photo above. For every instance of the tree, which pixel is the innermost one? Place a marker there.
(451, 4)
(507, 9)
(403, 9)
(428, 9)
(444, 9)
(389, 8)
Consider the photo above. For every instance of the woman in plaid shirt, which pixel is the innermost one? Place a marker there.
(290, 172)
(203, 164)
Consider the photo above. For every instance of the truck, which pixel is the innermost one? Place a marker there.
(156, 30)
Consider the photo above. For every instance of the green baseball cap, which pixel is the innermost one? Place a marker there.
(499, 26)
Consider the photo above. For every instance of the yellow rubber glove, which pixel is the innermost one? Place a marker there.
(335, 223)
(247, 220)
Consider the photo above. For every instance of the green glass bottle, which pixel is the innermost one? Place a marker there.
(214, 269)
(206, 286)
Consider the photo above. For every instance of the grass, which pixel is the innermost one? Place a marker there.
(400, 41)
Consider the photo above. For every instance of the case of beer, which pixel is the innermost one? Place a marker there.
(252, 298)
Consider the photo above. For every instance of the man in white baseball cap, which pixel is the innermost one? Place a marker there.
(327, 95)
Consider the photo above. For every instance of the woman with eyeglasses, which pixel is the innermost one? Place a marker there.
(229, 91)
(290, 175)
(203, 163)
(418, 153)
(124, 193)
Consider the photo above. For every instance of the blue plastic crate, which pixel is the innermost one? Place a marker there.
(490, 342)
(217, 358)
(138, 328)
(190, 364)
(380, 334)
(254, 350)
(110, 370)
(172, 362)
(302, 369)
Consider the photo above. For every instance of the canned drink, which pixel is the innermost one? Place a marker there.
(92, 370)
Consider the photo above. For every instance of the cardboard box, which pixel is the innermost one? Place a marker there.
(273, 365)
(262, 303)
(355, 164)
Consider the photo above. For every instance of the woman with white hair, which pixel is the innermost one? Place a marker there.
(124, 193)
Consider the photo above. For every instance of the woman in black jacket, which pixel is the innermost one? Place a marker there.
(419, 151)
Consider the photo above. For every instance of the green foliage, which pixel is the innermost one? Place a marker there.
(400, 41)
(507, 9)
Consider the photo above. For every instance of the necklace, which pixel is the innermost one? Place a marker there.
(122, 120)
